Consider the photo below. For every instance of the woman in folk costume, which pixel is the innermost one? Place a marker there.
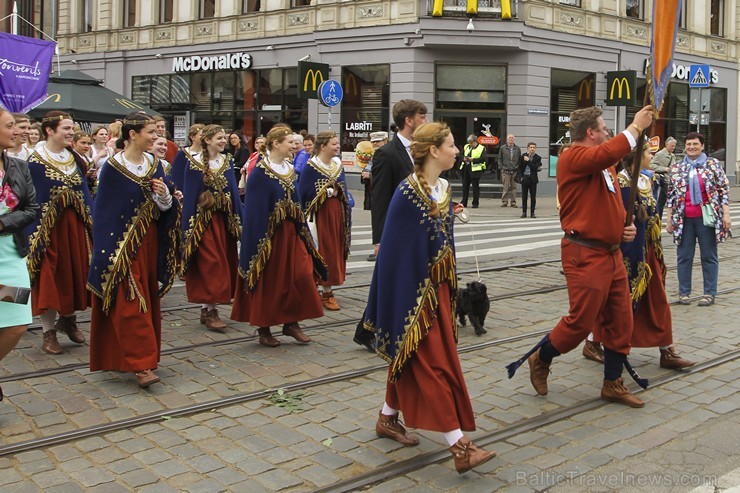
(323, 191)
(211, 224)
(187, 155)
(60, 238)
(277, 260)
(646, 270)
(136, 237)
(417, 333)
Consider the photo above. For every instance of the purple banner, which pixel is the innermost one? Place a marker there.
(25, 64)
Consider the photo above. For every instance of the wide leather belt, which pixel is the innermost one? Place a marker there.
(595, 244)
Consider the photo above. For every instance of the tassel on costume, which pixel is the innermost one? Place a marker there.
(513, 367)
(642, 382)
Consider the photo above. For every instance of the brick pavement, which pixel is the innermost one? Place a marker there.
(257, 446)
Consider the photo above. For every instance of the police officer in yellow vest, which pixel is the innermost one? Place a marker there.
(472, 167)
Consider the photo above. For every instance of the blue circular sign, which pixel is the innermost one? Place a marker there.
(330, 93)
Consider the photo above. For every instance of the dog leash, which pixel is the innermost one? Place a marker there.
(464, 217)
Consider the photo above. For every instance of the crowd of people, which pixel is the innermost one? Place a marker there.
(109, 220)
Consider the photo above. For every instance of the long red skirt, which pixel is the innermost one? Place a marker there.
(330, 228)
(126, 339)
(211, 276)
(653, 325)
(431, 391)
(285, 291)
(61, 283)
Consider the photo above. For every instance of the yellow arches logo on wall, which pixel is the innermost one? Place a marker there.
(621, 88)
(350, 84)
(584, 89)
(472, 8)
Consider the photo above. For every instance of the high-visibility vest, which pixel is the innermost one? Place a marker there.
(474, 153)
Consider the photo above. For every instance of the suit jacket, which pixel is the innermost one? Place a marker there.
(535, 164)
(507, 160)
(391, 164)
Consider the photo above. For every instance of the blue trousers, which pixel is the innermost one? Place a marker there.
(693, 230)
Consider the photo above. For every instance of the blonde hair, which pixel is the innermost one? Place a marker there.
(277, 133)
(114, 130)
(322, 139)
(206, 200)
(425, 136)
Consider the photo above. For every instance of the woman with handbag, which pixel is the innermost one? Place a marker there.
(18, 209)
(698, 210)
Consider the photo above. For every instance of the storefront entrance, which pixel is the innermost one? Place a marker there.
(488, 126)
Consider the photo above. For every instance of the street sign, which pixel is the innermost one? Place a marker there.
(699, 76)
(310, 77)
(621, 88)
(330, 93)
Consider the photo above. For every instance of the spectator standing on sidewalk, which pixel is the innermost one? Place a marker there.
(530, 164)
(508, 159)
(661, 165)
(473, 165)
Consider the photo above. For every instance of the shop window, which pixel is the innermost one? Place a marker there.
(165, 11)
(140, 89)
(717, 17)
(223, 91)
(86, 14)
(207, 9)
(129, 13)
(569, 91)
(200, 91)
(365, 106)
(250, 6)
(635, 9)
(270, 90)
(299, 3)
(471, 87)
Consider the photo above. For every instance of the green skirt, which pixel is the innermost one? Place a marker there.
(13, 272)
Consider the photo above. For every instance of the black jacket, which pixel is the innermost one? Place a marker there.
(535, 164)
(19, 178)
(391, 164)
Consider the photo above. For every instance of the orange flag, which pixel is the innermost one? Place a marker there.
(665, 29)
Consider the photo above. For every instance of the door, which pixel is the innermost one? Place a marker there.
(489, 127)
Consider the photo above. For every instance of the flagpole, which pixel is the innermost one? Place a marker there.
(636, 164)
(14, 19)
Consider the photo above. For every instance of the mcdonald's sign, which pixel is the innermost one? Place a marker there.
(351, 87)
(621, 88)
(310, 77)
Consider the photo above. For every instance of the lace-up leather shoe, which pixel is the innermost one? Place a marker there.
(389, 427)
(538, 372)
(672, 361)
(467, 455)
(593, 351)
(615, 391)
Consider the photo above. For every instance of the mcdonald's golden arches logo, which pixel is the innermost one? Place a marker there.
(351, 87)
(585, 89)
(310, 77)
(621, 88)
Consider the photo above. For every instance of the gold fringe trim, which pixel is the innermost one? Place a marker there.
(321, 198)
(284, 209)
(173, 253)
(200, 222)
(62, 198)
(441, 270)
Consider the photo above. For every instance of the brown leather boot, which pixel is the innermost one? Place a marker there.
(389, 427)
(203, 315)
(538, 372)
(615, 391)
(213, 322)
(671, 360)
(329, 301)
(294, 330)
(468, 456)
(146, 378)
(51, 344)
(593, 351)
(68, 325)
(266, 338)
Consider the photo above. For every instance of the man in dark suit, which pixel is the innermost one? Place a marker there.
(529, 164)
(392, 163)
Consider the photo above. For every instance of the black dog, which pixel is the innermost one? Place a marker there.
(473, 302)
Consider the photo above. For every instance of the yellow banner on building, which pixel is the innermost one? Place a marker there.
(506, 9)
(437, 8)
(472, 7)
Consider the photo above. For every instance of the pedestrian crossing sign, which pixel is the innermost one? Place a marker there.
(699, 76)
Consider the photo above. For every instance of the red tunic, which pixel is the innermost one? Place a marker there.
(431, 391)
(330, 229)
(653, 325)
(126, 339)
(286, 291)
(211, 276)
(61, 283)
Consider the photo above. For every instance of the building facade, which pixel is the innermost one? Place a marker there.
(234, 62)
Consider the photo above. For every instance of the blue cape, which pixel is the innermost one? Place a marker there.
(417, 254)
(55, 191)
(312, 184)
(178, 166)
(195, 220)
(648, 225)
(269, 200)
(124, 211)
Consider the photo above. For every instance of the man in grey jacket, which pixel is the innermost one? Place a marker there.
(661, 165)
(508, 161)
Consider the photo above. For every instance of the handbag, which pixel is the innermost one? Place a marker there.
(709, 218)
(518, 176)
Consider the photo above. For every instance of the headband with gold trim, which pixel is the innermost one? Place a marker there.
(143, 121)
(57, 118)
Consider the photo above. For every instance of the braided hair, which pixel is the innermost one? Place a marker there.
(425, 136)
